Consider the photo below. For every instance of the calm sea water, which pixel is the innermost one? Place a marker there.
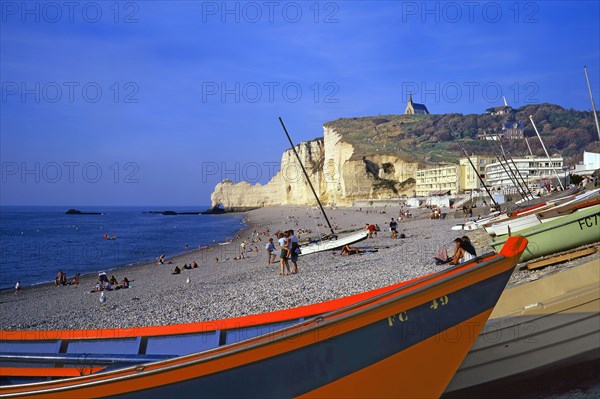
(35, 242)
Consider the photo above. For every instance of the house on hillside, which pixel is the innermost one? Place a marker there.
(501, 110)
(513, 129)
(413, 108)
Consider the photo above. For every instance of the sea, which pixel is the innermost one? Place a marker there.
(36, 242)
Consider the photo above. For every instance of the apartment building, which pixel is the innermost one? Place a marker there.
(532, 170)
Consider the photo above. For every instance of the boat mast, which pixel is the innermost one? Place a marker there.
(478, 176)
(546, 151)
(592, 99)
(475, 169)
(306, 175)
(528, 147)
(510, 173)
(504, 155)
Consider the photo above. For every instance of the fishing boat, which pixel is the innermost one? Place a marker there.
(477, 224)
(561, 234)
(547, 213)
(354, 351)
(532, 207)
(498, 217)
(538, 326)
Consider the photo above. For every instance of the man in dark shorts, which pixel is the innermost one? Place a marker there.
(394, 228)
(294, 250)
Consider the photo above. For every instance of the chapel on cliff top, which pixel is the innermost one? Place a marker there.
(413, 108)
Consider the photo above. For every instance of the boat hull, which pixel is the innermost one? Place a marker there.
(432, 321)
(561, 234)
(333, 244)
(540, 325)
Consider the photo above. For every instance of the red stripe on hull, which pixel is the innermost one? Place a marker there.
(49, 371)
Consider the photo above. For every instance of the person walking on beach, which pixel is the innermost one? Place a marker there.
(270, 247)
(17, 288)
(243, 248)
(394, 228)
(294, 250)
(284, 254)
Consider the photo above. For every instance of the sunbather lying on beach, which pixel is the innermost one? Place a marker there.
(348, 250)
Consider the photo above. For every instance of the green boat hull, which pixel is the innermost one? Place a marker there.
(567, 232)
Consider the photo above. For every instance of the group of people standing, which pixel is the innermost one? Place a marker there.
(289, 250)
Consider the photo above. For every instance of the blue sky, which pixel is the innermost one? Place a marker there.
(152, 103)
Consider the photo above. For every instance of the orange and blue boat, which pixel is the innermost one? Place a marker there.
(405, 340)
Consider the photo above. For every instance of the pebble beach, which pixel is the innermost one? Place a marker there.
(223, 286)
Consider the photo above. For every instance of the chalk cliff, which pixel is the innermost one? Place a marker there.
(337, 173)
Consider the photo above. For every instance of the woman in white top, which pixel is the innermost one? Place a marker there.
(284, 254)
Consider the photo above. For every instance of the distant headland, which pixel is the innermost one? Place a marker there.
(78, 212)
(211, 211)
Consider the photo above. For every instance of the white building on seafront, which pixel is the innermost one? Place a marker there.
(591, 163)
(531, 169)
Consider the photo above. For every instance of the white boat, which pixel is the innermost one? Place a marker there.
(532, 217)
(540, 325)
(477, 224)
(327, 245)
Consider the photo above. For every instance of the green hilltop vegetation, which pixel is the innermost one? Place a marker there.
(429, 139)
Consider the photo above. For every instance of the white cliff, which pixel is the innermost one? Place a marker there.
(338, 175)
